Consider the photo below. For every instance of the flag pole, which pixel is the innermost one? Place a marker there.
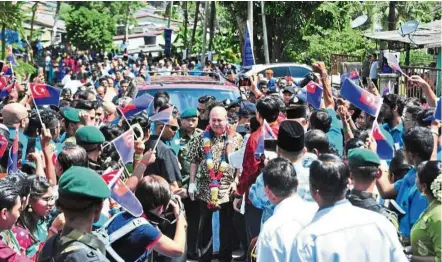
(127, 122)
(36, 107)
(159, 137)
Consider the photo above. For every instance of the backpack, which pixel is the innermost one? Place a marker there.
(130, 226)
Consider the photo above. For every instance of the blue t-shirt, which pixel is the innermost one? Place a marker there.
(410, 200)
(396, 133)
(137, 245)
(334, 135)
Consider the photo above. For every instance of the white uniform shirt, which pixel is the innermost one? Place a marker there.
(344, 232)
(276, 238)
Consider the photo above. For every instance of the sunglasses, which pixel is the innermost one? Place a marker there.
(205, 98)
(173, 128)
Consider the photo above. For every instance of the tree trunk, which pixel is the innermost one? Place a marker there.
(195, 22)
(3, 41)
(126, 24)
(54, 27)
(391, 16)
(186, 22)
(31, 34)
(34, 11)
(212, 24)
(391, 20)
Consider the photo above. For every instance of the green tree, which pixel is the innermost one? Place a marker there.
(90, 29)
(11, 17)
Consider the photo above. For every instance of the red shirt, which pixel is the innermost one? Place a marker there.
(9, 255)
(251, 165)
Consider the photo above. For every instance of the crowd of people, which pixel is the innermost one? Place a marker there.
(288, 181)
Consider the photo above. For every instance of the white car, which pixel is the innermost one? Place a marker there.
(296, 71)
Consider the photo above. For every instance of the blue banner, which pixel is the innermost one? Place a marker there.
(167, 41)
(248, 59)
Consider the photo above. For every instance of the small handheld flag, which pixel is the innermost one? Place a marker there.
(125, 198)
(125, 146)
(384, 149)
(3, 82)
(45, 94)
(13, 155)
(3, 145)
(314, 94)
(162, 116)
(266, 133)
(137, 105)
(361, 98)
(111, 176)
(354, 75)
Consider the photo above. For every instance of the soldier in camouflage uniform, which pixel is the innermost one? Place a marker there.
(188, 130)
(81, 195)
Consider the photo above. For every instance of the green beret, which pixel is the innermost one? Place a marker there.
(189, 113)
(89, 135)
(83, 181)
(71, 114)
(363, 157)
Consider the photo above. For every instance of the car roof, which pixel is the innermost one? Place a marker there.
(187, 81)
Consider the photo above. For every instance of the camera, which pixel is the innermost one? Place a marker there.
(307, 78)
(244, 80)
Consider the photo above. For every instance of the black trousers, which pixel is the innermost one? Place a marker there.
(193, 217)
(240, 228)
(226, 231)
(252, 217)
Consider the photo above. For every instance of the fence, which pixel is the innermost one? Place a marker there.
(409, 89)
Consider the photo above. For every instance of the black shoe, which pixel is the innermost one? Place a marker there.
(241, 258)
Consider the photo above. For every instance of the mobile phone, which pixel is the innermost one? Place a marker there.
(270, 145)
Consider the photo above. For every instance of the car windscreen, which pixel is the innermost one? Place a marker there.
(188, 97)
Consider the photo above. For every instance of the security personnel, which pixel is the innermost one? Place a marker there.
(91, 139)
(82, 192)
(364, 167)
(189, 130)
(71, 118)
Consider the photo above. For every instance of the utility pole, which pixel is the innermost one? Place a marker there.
(203, 49)
(170, 14)
(250, 17)
(264, 32)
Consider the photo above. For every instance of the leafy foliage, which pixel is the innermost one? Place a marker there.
(90, 29)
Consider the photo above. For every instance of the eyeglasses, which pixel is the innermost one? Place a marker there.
(173, 128)
(201, 110)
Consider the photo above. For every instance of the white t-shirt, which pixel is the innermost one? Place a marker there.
(374, 70)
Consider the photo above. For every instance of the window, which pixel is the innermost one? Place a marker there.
(150, 40)
(280, 71)
(298, 71)
(185, 98)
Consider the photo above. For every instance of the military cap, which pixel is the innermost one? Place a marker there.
(189, 113)
(363, 157)
(291, 136)
(83, 181)
(71, 114)
(89, 135)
